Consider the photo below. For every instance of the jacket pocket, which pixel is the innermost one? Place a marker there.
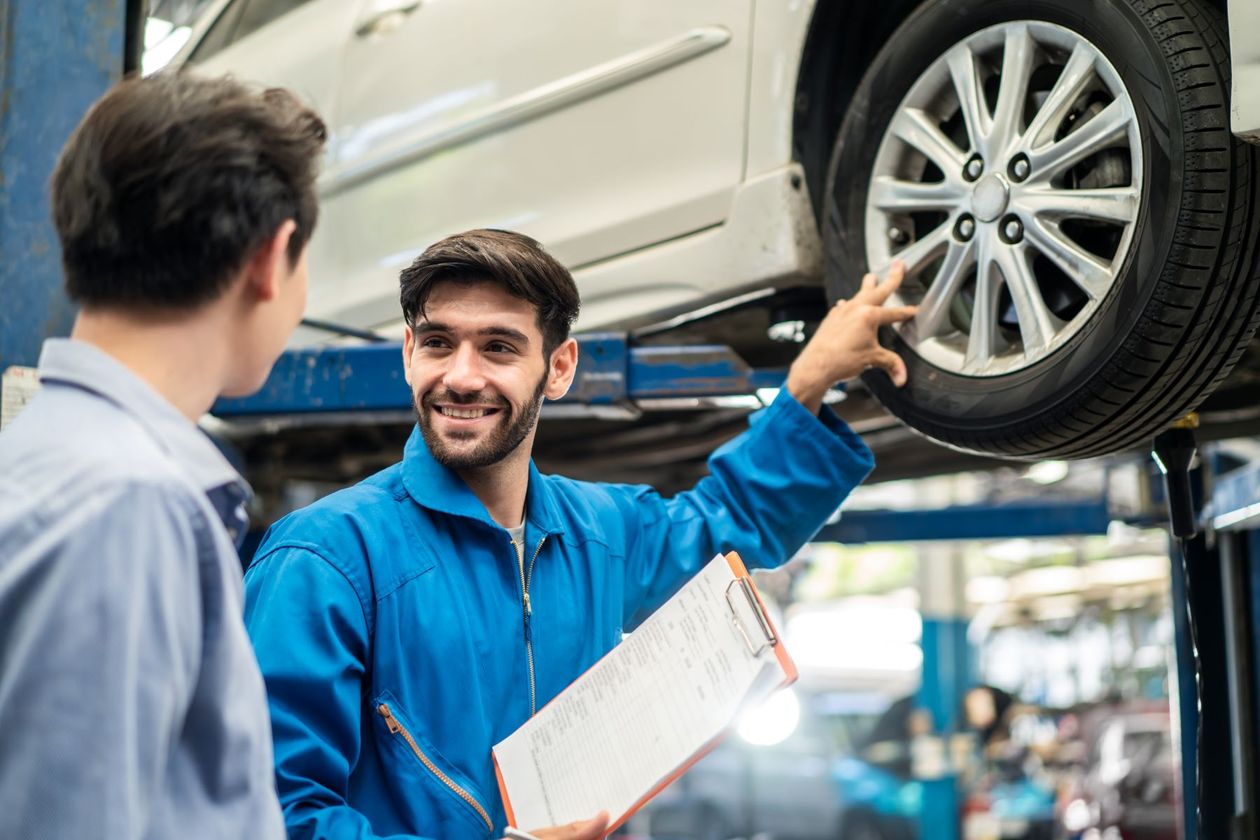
(408, 743)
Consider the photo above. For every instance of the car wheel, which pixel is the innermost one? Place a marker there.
(1077, 221)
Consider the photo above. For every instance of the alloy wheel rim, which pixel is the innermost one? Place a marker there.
(1009, 182)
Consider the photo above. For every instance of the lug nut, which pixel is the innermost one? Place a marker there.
(1012, 229)
(897, 236)
(974, 168)
(966, 227)
(1020, 167)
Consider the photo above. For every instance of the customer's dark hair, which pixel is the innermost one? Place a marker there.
(513, 260)
(171, 182)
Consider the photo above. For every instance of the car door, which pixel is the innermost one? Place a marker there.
(597, 126)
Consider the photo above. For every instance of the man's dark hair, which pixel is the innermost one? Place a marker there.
(171, 182)
(513, 260)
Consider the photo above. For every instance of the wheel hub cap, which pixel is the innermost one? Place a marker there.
(990, 197)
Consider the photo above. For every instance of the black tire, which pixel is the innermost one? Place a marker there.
(1183, 306)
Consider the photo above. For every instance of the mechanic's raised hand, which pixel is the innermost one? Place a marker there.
(591, 829)
(847, 341)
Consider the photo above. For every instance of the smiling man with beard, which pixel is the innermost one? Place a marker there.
(407, 624)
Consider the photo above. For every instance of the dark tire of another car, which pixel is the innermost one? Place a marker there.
(1078, 222)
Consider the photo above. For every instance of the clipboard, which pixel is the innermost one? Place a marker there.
(722, 592)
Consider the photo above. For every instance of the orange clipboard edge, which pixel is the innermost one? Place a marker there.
(503, 794)
(785, 662)
(670, 779)
(780, 650)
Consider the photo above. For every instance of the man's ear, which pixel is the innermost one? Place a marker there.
(267, 268)
(409, 343)
(563, 367)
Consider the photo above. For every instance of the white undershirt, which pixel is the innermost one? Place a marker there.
(518, 539)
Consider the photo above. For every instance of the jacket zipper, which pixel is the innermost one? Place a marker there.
(396, 728)
(528, 611)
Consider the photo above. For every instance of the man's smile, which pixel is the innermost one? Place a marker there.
(456, 412)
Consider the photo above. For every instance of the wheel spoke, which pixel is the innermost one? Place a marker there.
(1076, 73)
(1101, 131)
(917, 129)
(1037, 324)
(919, 253)
(1084, 269)
(1017, 65)
(897, 196)
(936, 303)
(968, 86)
(1106, 204)
(982, 342)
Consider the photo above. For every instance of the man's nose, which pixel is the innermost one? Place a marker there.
(464, 374)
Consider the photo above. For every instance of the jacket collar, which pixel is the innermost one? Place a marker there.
(437, 487)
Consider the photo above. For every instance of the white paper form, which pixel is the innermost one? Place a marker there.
(639, 713)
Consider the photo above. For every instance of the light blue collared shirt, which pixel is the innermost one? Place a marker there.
(131, 704)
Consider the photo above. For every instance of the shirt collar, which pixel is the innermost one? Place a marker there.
(81, 365)
(437, 487)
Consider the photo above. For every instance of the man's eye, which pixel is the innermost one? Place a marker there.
(434, 343)
(500, 347)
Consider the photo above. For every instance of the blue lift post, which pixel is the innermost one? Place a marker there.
(57, 58)
(1221, 584)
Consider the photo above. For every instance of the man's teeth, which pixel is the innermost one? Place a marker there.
(464, 413)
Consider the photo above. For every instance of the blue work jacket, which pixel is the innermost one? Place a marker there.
(400, 639)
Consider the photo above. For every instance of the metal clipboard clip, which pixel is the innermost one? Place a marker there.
(763, 631)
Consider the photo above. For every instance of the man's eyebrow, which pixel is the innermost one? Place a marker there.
(428, 327)
(505, 332)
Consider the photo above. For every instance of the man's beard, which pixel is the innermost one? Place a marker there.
(501, 441)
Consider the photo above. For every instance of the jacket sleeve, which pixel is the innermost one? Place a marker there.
(310, 631)
(767, 493)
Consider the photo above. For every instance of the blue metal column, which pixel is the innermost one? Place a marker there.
(1253, 580)
(946, 678)
(1186, 698)
(56, 58)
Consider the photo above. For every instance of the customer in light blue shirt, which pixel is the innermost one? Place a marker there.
(131, 704)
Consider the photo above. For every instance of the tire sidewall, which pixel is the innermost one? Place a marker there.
(974, 404)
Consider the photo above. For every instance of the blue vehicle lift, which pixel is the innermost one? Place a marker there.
(57, 60)
(611, 373)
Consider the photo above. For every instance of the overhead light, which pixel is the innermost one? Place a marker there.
(1048, 472)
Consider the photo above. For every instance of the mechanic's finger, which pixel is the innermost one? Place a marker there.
(869, 281)
(896, 273)
(892, 364)
(895, 314)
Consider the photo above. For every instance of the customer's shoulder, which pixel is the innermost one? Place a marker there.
(53, 450)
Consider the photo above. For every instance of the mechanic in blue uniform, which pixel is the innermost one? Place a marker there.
(407, 624)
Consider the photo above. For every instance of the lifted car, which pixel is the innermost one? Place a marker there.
(1068, 181)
